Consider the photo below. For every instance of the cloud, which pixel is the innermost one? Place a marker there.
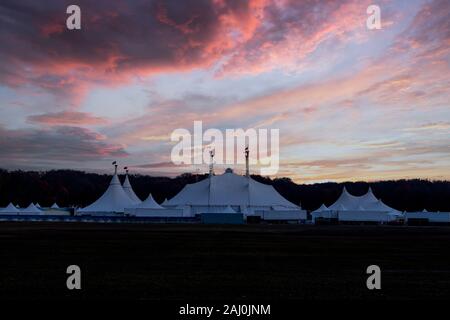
(119, 40)
(66, 118)
(406, 77)
(432, 126)
(291, 31)
(64, 144)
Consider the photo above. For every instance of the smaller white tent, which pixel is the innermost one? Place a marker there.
(323, 212)
(365, 208)
(10, 209)
(54, 206)
(228, 209)
(38, 205)
(150, 208)
(322, 208)
(31, 210)
(149, 203)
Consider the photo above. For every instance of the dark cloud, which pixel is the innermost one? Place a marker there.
(115, 35)
(64, 144)
(118, 39)
(159, 165)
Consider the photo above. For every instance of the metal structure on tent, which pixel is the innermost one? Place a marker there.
(129, 190)
(247, 166)
(113, 201)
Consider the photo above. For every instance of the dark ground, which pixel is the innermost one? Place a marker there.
(219, 263)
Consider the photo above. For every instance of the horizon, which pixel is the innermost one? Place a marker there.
(351, 104)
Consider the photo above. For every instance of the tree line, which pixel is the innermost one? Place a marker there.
(77, 188)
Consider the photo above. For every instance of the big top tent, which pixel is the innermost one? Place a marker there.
(228, 191)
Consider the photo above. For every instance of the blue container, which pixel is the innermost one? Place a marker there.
(222, 218)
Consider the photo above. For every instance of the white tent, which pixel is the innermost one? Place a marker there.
(38, 205)
(165, 202)
(230, 189)
(216, 193)
(32, 210)
(129, 191)
(322, 208)
(114, 200)
(323, 212)
(149, 203)
(54, 206)
(10, 209)
(367, 202)
(150, 208)
(228, 209)
(363, 208)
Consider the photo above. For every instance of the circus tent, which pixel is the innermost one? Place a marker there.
(114, 200)
(241, 194)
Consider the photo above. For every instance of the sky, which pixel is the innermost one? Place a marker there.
(350, 103)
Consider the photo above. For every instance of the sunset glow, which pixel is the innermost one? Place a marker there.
(350, 103)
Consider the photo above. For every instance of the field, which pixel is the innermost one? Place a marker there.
(219, 263)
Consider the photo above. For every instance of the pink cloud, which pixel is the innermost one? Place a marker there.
(67, 118)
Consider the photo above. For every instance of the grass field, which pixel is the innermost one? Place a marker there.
(217, 263)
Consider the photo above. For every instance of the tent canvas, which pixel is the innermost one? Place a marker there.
(230, 189)
(149, 203)
(149, 207)
(367, 202)
(114, 200)
(129, 191)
